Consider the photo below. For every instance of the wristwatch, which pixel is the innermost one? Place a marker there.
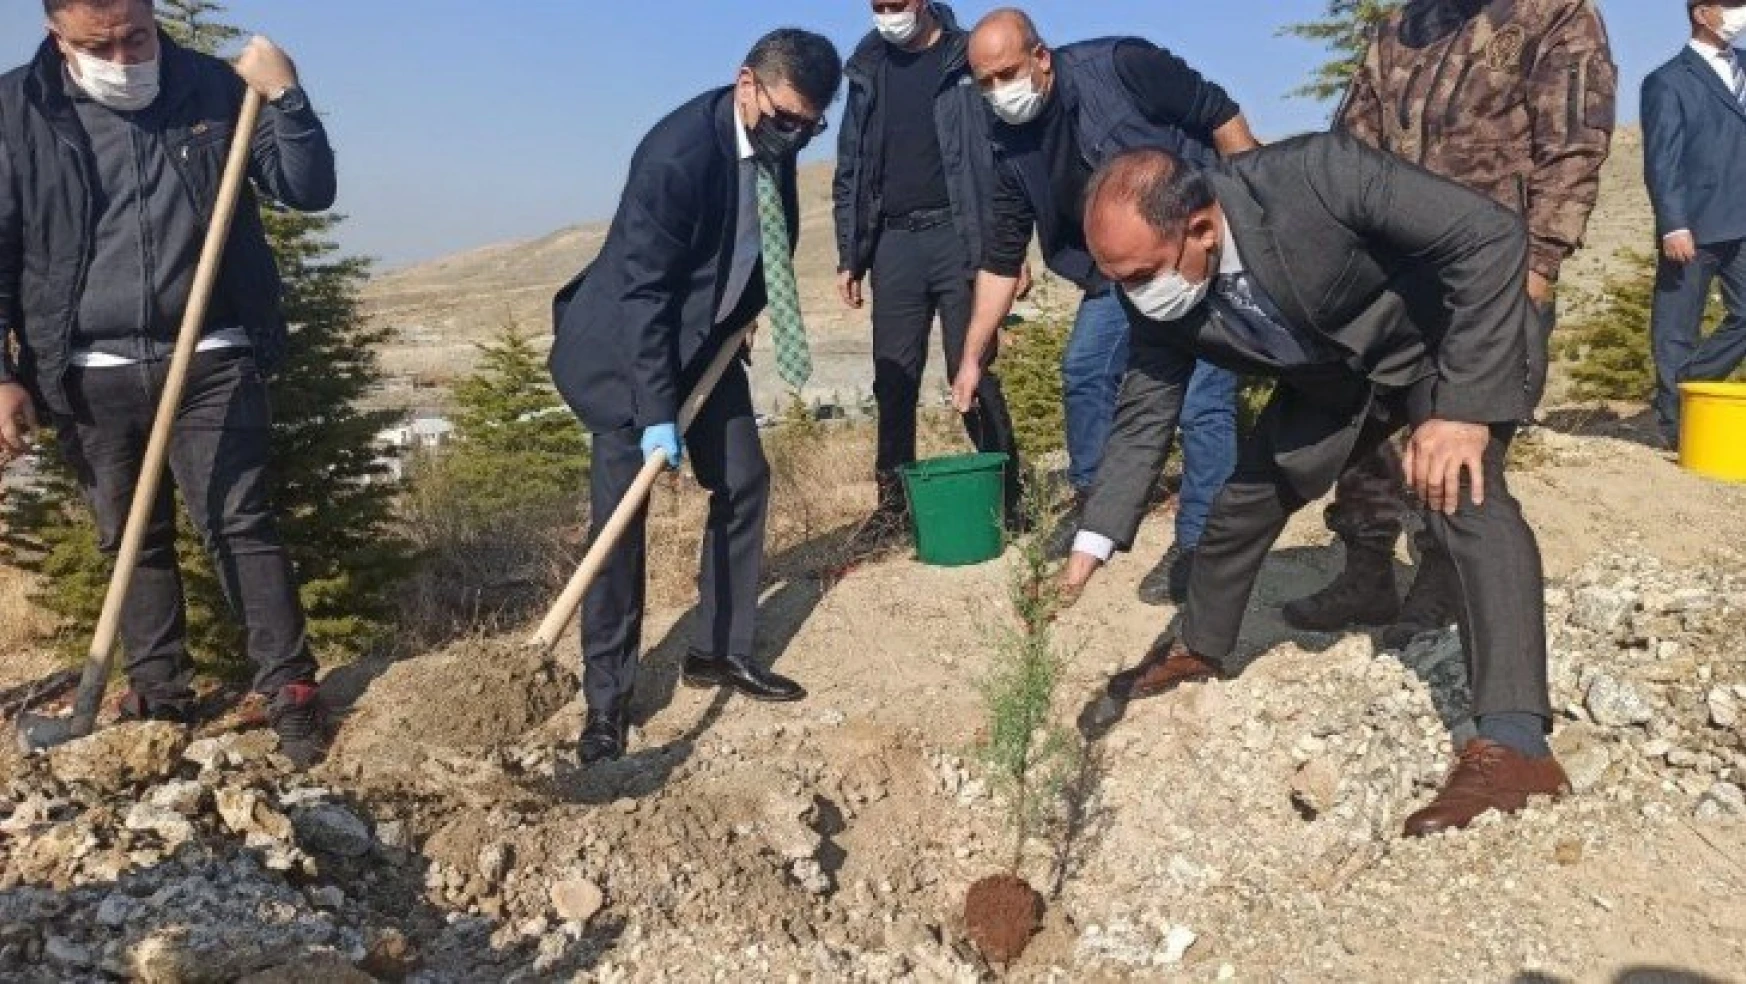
(291, 100)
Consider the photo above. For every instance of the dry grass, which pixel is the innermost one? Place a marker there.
(821, 487)
(821, 491)
(22, 624)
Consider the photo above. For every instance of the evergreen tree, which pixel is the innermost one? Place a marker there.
(517, 447)
(190, 24)
(1345, 32)
(1030, 374)
(336, 521)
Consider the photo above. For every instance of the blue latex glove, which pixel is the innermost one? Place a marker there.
(664, 437)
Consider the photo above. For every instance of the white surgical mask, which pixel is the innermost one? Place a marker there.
(1017, 102)
(898, 29)
(1168, 296)
(1733, 24)
(121, 87)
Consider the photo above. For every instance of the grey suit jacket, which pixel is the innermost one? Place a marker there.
(1416, 282)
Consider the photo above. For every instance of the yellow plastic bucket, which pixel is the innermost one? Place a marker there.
(1712, 439)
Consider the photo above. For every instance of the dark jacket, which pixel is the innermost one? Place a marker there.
(1345, 240)
(1107, 121)
(47, 190)
(963, 120)
(1694, 150)
(637, 327)
(1512, 98)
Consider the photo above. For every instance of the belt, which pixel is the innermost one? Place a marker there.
(917, 221)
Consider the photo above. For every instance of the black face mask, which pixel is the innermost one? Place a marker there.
(772, 144)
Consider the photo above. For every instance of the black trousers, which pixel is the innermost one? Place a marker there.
(916, 276)
(1502, 616)
(219, 462)
(728, 459)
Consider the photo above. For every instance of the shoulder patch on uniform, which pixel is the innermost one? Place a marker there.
(1505, 50)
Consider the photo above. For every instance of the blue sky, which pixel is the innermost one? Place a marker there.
(466, 122)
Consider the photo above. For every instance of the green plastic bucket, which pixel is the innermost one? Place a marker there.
(958, 504)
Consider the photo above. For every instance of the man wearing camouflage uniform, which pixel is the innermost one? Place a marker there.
(1513, 98)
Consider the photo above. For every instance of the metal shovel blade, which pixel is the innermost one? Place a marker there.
(37, 733)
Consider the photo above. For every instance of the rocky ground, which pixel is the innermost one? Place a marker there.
(1238, 831)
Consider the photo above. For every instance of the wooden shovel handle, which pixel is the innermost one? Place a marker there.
(564, 610)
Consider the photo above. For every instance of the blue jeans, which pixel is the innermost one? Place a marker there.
(1091, 371)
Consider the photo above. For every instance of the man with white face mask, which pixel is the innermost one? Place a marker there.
(112, 143)
(1694, 150)
(1063, 112)
(914, 165)
(1299, 262)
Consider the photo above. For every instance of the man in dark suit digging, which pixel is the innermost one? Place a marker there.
(703, 242)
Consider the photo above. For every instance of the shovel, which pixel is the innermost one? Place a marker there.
(565, 609)
(36, 733)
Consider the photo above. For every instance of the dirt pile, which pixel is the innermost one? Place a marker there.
(1260, 819)
(1239, 830)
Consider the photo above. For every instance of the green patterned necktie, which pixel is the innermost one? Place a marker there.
(793, 360)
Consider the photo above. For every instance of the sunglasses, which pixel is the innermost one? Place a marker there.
(789, 122)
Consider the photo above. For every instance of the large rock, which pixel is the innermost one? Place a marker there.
(1617, 704)
(171, 827)
(1724, 799)
(197, 954)
(577, 900)
(247, 812)
(786, 829)
(1724, 708)
(1584, 754)
(328, 968)
(117, 759)
(1602, 610)
(330, 829)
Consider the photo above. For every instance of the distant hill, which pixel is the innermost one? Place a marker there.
(438, 310)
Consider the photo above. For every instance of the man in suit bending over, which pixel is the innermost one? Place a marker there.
(1202, 261)
(702, 243)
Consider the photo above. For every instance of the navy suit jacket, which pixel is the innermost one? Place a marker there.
(1694, 150)
(637, 328)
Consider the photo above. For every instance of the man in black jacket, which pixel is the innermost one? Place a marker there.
(112, 142)
(702, 240)
(1062, 112)
(1299, 262)
(914, 169)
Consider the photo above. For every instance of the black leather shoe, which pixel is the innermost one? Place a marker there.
(604, 736)
(741, 674)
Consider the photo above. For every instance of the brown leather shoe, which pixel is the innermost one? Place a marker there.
(1166, 667)
(1489, 776)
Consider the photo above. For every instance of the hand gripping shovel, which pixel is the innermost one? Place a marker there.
(35, 732)
(607, 539)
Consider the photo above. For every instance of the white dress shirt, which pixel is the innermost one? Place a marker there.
(1096, 544)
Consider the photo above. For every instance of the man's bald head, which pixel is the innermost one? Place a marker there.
(1156, 183)
(1005, 46)
(1146, 211)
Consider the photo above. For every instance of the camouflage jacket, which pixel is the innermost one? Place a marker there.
(1513, 98)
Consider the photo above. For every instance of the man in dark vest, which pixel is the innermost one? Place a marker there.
(112, 141)
(703, 241)
(1062, 113)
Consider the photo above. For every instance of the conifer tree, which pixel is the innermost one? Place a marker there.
(336, 519)
(1345, 32)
